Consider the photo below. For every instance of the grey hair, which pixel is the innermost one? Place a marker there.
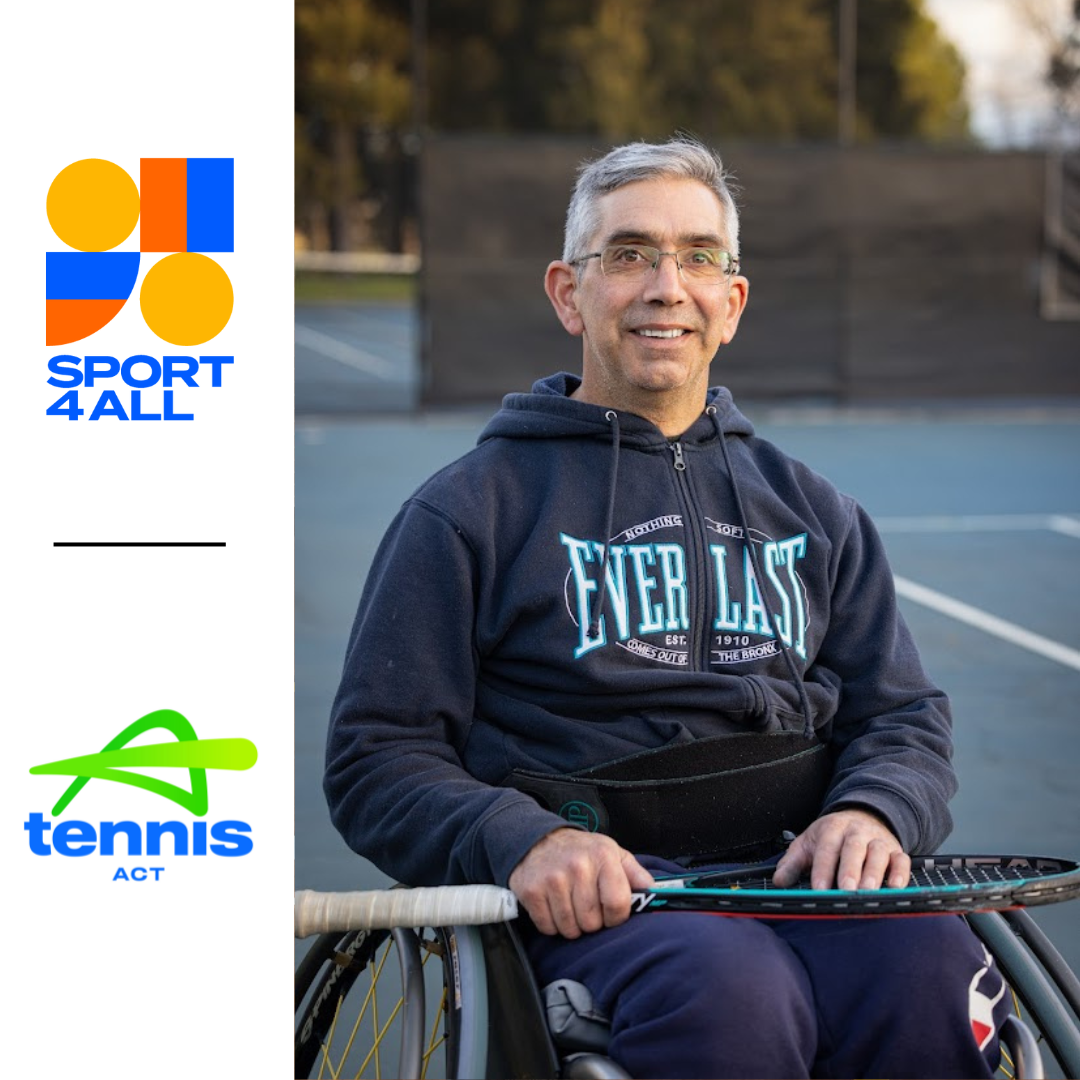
(682, 157)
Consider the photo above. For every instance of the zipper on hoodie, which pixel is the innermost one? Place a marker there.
(698, 653)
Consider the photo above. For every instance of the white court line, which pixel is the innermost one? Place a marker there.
(980, 523)
(1067, 525)
(990, 624)
(350, 355)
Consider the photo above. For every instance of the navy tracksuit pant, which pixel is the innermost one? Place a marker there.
(700, 996)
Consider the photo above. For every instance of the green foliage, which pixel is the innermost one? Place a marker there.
(931, 77)
(351, 72)
(762, 70)
(624, 68)
(909, 79)
(351, 62)
(615, 69)
(608, 84)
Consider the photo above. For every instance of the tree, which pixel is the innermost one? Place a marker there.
(623, 68)
(909, 78)
(608, 85)
(1057, 25)
(617, 69)
(763, 70)
(351, 73)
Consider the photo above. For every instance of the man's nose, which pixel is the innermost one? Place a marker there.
(665, 282)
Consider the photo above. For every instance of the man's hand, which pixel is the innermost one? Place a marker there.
(848, 849)
(572, 882)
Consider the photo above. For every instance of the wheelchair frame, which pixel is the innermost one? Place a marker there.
(481, 1007)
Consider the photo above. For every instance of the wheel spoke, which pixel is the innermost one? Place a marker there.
(353, 1028)
(325, 1063)
(379, 1035)
(370, 1001)
(434, 1040)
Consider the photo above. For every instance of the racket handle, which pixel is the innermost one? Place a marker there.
(450, 905)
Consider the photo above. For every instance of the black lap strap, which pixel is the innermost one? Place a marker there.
(724, 799)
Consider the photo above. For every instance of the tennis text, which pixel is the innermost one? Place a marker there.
(77, 838)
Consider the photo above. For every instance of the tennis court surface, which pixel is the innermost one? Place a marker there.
(979, 507)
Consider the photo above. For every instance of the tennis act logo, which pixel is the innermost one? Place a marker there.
(152, 839)
(184, 210)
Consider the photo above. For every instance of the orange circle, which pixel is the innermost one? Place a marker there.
(92, 205)
(186, 298)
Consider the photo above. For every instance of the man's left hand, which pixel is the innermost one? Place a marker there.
(848, 849)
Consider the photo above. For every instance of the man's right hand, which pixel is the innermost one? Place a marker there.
(573, 882)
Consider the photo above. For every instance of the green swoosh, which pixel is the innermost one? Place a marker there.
(190, 752)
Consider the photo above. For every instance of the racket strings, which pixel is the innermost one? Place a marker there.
(919, 880)
(947, 875)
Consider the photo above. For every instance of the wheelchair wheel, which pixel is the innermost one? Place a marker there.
(449, 1002)
(374, 1004)
(1046, 993)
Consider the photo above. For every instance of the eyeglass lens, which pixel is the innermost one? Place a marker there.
(636, 260)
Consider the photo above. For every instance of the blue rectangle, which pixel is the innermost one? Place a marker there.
(90, 275)
(209, 204)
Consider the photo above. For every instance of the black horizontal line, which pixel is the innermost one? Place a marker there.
(138, 543)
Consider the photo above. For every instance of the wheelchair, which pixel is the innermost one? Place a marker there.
(461, 1002)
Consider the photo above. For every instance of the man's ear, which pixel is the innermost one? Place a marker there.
(560, 284)
(736, 305)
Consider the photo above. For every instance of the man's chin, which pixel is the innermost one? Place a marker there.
(662, 376)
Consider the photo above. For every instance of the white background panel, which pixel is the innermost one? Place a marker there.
(189, 975)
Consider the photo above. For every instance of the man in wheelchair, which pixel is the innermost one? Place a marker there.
(623, 636)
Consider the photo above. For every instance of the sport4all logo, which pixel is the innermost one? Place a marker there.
(183, 208)
(152, 839)
(186, 208)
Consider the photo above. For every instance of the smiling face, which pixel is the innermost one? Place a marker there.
(647, 343)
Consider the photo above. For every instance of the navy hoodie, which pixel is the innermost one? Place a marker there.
(525, 612)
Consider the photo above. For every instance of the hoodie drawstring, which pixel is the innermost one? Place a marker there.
(612, 418)
(774, 619)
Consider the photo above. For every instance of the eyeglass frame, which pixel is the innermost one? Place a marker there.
(731, 271)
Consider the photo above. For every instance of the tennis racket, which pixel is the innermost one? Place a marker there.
(940, 884)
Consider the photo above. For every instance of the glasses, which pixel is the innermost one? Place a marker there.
(634, 261)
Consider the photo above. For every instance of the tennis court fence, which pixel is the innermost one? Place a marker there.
(877, 274)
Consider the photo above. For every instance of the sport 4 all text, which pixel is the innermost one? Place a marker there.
(138, 373)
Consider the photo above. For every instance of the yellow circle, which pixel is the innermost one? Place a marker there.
(186, 298)
(92, 205)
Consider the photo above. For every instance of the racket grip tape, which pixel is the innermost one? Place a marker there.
(453, 905)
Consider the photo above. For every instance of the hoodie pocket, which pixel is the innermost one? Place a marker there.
(776, 704)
